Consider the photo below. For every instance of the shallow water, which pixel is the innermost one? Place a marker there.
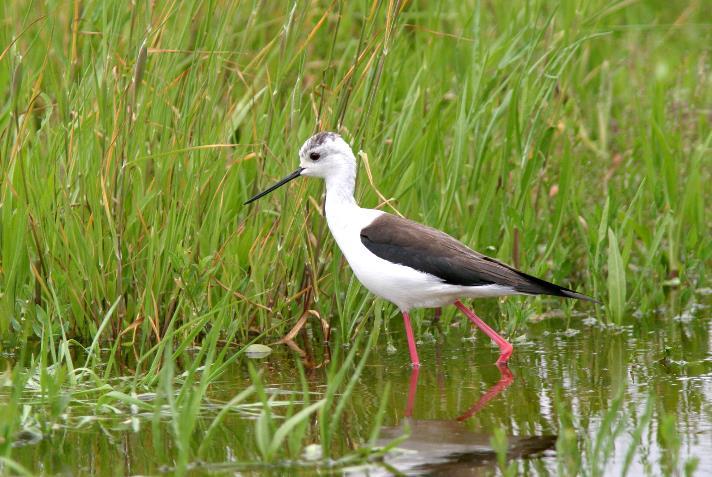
(450, 407)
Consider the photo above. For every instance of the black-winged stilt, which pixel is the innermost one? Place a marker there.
(408, 264)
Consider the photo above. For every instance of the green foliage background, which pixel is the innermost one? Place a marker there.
(571, 138)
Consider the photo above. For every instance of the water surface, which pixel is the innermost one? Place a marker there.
(568, 375)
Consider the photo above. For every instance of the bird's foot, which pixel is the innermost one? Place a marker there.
(506, 352)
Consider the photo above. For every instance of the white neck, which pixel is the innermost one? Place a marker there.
(340, 186)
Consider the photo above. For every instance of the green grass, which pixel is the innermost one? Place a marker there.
(527, 134)
(571, 140)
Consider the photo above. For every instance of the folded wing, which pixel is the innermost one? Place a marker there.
(428, 250)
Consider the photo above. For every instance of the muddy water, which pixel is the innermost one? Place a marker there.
(636, 398)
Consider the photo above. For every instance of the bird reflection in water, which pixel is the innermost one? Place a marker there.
(447, 447)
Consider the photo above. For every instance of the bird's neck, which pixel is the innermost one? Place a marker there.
(340, 190)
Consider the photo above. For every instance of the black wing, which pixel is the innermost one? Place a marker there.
(431, 251)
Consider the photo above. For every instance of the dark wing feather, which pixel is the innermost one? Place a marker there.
(431, 251)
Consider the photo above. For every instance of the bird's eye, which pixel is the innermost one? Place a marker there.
(314, 156)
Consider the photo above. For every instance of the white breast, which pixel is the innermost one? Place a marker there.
(401, 285)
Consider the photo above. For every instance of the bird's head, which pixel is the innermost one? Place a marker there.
(324, 155)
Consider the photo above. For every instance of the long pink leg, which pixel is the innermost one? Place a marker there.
(411, 340)
(504, 347)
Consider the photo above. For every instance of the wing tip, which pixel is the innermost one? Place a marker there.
(542, 287)
(565, 292)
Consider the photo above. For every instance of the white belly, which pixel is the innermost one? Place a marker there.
(404, 286)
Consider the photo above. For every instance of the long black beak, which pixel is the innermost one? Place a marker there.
(279, 184)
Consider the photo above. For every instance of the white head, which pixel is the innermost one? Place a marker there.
(324, 155)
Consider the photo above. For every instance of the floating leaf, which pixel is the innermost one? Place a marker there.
(257, 350)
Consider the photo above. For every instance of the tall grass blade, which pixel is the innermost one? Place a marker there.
(616, 280)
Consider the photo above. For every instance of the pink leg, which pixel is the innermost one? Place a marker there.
(438, 312)
(504, 347)
(411, 340)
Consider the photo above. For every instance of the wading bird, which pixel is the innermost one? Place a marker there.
(409, 264)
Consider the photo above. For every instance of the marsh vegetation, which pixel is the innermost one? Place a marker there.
(570, 139)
